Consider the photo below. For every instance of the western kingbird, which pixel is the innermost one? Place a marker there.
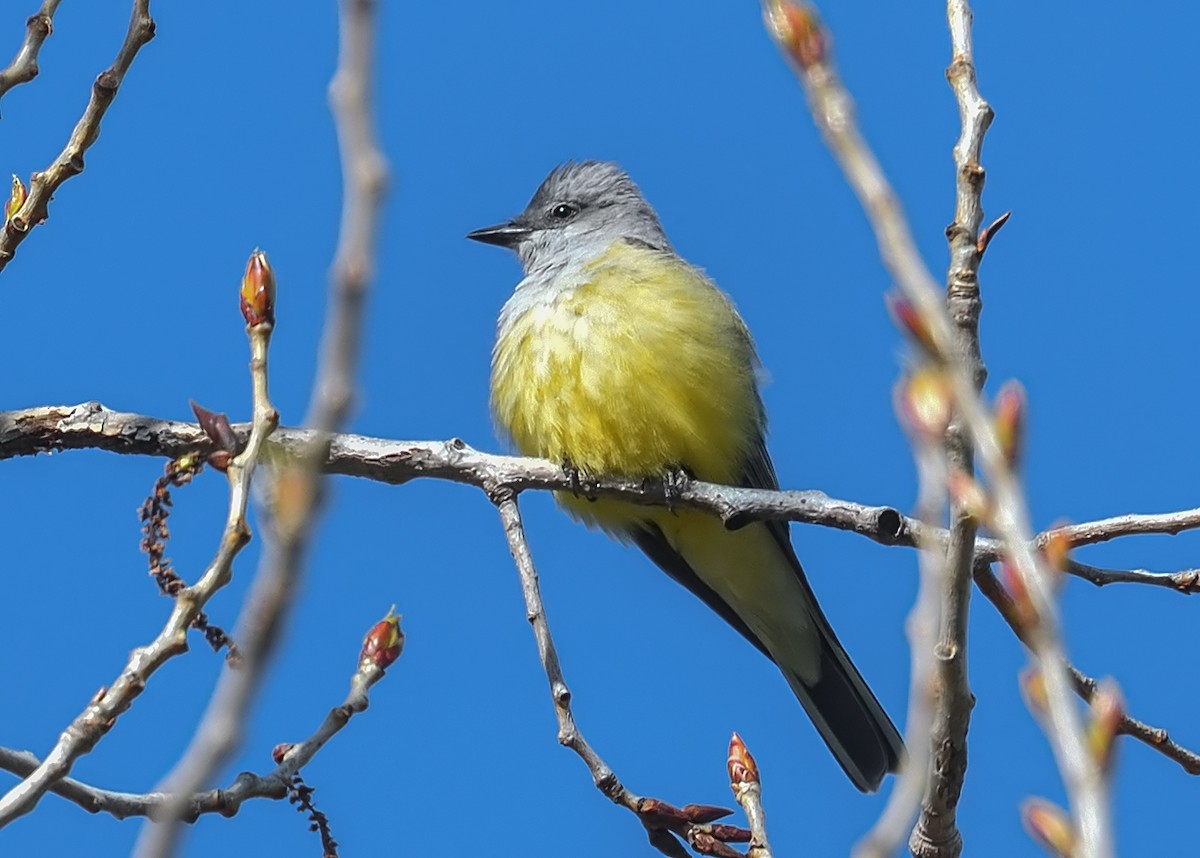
(616, 357)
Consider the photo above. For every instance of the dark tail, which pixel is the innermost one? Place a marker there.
(847, 715)
(834, 694)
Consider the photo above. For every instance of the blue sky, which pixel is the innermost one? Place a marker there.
(220, 141)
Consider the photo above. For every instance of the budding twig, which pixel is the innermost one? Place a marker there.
(381, 647)
(796, 27)
(747, 789)
(298, 483)
(101, 713)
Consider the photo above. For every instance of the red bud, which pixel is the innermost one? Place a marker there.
(383, 643)
(258, 291)
(742, 768)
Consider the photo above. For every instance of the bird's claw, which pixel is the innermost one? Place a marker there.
(674, 481)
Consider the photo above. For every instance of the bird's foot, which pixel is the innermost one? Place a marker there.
(582, 485)
(674, 481)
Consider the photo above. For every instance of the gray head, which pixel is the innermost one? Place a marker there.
(579, 210)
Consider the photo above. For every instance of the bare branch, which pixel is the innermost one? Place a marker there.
(568, 733)
(92, 426)
(803, 39)
(298, 485)
(1186, 581)
(936, 833)
(246, 786)
(24, 66)
(691, 822)
(1104, 529)
(69, 162)
(1084, 685)
(258, 309)
(101, 713)
(1156, 737)
(123, 805)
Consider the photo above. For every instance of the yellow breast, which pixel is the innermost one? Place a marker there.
(636, 366)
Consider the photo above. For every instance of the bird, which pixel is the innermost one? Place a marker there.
(616, 357)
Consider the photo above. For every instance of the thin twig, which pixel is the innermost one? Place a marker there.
(246, 786)
(805, 42)
(298, 484)
(568, 733)
(101, 713)
(1155, 737)
(43, 185)
(1104, 529)
(24, 66)
(691, 822)
(1186, 581)
(259, 327)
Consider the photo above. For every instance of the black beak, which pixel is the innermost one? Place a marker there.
(503, 235)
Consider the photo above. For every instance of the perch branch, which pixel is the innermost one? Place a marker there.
(92, 426)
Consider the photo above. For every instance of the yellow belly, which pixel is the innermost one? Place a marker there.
(642, 367)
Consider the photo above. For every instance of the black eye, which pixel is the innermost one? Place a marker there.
(563, 211)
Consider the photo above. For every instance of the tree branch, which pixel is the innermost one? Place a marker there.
(101, 713)
(92, 426)
(568, 733)
(1186, 581)
(69, 162)
(1156, 737)
(936, 833)
(246, 786)
(691, 822)
(298, 485)
(1084, 685)
(24, 66)
(804, 41)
